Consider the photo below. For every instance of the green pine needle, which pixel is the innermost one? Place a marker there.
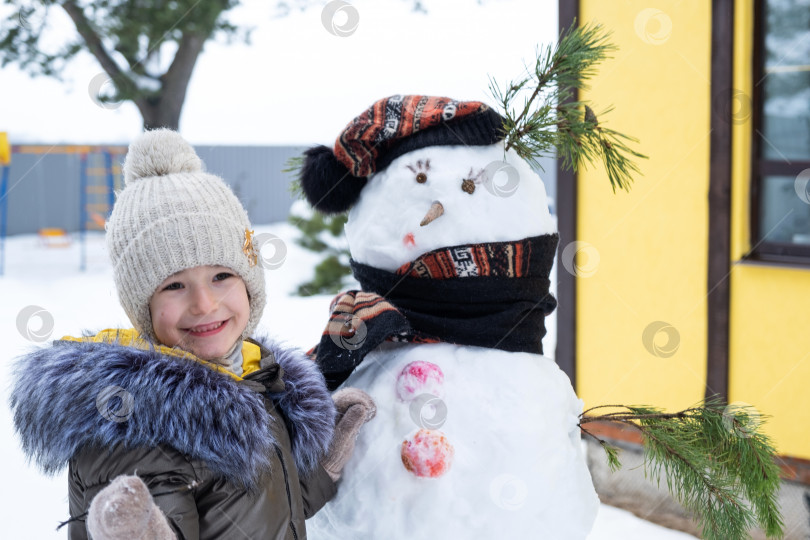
(715, 459)
(612, 454)
(293, 166)
(541, 115)
(319, 233)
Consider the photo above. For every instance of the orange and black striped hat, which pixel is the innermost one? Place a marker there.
(332, 178)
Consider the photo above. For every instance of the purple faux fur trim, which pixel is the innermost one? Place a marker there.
(306, 405)
(168, 400)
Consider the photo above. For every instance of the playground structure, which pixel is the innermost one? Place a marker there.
(5, 163)
(62, 192)
(99, 178)
(53, 237)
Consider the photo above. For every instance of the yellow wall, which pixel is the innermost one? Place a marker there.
(648, 247)
(770, 323)
(652, 242)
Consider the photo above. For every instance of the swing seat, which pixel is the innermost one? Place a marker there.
(53, 237)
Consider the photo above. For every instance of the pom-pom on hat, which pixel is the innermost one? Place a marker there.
(172, 216)
(332, 179)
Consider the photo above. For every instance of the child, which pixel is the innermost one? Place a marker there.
(184, 427)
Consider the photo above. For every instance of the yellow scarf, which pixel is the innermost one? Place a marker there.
(251, 353)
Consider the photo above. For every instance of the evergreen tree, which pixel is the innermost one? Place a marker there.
(324, 235)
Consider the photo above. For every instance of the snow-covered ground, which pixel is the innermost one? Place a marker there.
(69, 301)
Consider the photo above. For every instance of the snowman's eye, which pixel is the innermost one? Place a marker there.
(420, 169)
(468, 183)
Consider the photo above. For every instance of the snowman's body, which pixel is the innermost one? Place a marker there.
(517, 469)
(503, 457)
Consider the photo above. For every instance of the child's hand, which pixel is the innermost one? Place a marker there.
(124, 510)
(355, 408)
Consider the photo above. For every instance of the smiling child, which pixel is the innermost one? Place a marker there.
(184, 427)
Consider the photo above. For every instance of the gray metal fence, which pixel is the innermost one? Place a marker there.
(44, 185)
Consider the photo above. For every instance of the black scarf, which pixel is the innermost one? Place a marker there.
(492, 295)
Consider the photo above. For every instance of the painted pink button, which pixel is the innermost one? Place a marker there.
(420, 378)
(427, 453)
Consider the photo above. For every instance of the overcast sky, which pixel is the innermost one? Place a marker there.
(297, 82)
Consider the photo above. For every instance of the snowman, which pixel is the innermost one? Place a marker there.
(476, 432)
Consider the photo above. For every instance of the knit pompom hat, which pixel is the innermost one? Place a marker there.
(172, 216)
(332, 178)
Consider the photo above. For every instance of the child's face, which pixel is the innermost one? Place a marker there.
(202, 310)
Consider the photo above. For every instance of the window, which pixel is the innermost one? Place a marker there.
(780, 194)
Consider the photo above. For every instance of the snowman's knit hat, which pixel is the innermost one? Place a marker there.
(332, 179)
(172, 216)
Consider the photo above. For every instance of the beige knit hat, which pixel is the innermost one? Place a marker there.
(172, 216)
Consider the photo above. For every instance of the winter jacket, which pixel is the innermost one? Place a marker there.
(251, 445)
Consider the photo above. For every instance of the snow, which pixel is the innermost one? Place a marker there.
(511, 419)
(32, 504)
(508, 203)
(615, 523)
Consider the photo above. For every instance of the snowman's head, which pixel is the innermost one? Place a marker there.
(442, 196)
(421, 173)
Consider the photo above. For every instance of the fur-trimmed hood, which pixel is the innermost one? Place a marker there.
(74, 394)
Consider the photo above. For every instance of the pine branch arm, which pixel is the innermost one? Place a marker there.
(627, 417)
(710, 467)
(548, 120)
(716, 491)
(543, 79)
(712, 488)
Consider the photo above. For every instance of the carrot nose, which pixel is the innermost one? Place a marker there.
(436, 209)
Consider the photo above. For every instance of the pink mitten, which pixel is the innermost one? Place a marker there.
(125, 510)
(355, 408)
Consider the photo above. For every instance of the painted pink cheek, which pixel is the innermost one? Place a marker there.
(427, 454)
(408, 240)
(418, 378)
